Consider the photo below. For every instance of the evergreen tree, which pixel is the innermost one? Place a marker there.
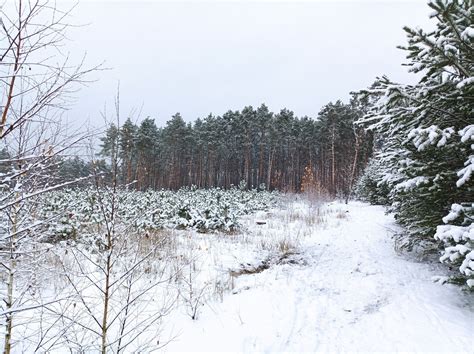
(110, 144)
(427, 131)
(73, 168)
(146, 147)
(338, 148)
(252, 148)
(127, 152)
(174, 139)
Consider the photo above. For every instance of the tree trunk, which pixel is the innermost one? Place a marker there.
(269, 172)
(354, 166)
(333, 163)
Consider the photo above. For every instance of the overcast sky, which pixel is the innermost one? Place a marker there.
(199, 57)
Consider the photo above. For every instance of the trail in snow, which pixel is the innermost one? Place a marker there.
(348, 291)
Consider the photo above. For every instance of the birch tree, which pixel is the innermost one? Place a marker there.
(35, 87)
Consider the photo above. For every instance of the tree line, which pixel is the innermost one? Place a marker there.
(250, 148)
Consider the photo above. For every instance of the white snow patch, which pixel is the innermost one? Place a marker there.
(465, 82)
(468, 33)
(466, 172)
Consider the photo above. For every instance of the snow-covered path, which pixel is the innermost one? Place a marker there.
(348, 290)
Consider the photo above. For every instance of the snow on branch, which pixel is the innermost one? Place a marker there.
(433, 135)
(412, 183)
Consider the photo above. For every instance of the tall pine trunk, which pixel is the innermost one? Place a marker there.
(333, 162)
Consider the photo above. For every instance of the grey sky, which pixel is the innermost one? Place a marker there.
(200, 57)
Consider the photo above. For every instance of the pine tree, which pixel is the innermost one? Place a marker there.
(263, 149)
(127, 152)
(174, 138)
(146, 146)
(339, 148)
(110, 144)
(427, 132)
(263, 120)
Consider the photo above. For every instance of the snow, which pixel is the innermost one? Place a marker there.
(467, 34)
(465, 82)
(433, 13)
(467, 266)
(454, 213)
(467, 133)
(466, 172)
(423, 137)
(448, 48)
(299, 276)
(345, 289)
(412, 183)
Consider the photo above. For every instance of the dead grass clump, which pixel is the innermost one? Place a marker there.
(311, 217)
(159, 243)
(250, 269)
(288, 257)
(341, 214)
(285, 246)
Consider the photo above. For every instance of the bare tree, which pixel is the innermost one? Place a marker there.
(35, 84)
(35, 87)
(119, 278)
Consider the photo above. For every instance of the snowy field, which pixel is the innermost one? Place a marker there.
(340, 287)
(301, 276)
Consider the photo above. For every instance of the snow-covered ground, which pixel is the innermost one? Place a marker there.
(303, 277)
(333, 283)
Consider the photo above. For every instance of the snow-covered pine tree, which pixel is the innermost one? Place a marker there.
(110, 143)
(371, 187)
(146, 143)
(428, 134)
(128, 149)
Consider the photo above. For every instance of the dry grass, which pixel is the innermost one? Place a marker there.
(156, 244)
(310, 217)
(252, 269)
(341, 214)
(286, 245)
